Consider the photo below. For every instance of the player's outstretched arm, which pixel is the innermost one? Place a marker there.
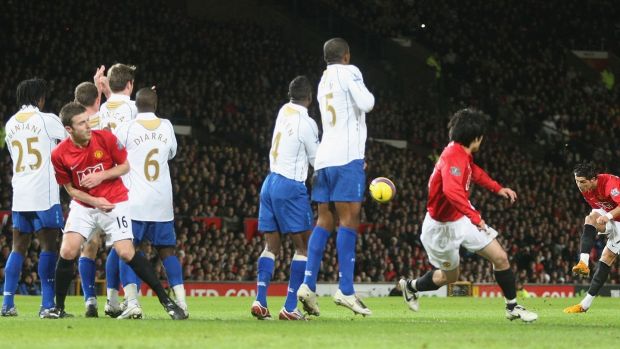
(100, 203)
(480, 177)
(94, 179)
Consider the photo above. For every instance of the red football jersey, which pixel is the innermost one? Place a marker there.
(607, 193)
(448, 187)
(103, 152)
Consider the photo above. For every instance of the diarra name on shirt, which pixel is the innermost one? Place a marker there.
(151, 136)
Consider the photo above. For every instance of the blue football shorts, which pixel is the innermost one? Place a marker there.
(157, 233)
(284, 206)
(33, 221)
(345, 183)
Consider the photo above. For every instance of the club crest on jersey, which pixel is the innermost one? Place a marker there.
(614, 192)
(98, 154)
(455, 171)
(85, 172)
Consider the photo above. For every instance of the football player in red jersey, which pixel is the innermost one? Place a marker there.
(452, 221)
(89, 165)
(602, 192)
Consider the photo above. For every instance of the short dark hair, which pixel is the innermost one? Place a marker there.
(70, 110)
(466, 125)
(586, 169)
(119, 75)
(300, 88)
(86, 93)
(30, 92)
(146, 100)
(334, 50)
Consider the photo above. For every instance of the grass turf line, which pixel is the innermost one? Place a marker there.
(226, 323)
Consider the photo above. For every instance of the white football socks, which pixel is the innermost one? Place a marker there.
(584, 257)
(587, 301)
(179, 294)
(131, 294)
(113, 297)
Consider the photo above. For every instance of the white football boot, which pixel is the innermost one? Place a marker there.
(520, 312)
(410, 297)
(308, 299)
(352, 302)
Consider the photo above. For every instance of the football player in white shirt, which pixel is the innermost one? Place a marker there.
(118, 109)
(89, 96)
(30, 137)
(284, 202)
(150, 143)
(344, 101)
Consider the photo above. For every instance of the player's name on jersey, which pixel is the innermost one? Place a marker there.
(150, 136)
(18, 127)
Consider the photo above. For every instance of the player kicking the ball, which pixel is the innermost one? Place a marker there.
(89, 165)
(284, 202)
(602, 192)
(451, 221)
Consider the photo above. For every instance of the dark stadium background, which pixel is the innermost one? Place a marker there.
(222, 69)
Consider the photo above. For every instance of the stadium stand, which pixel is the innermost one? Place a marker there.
(231, 84)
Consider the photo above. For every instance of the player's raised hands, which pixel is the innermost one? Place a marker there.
(508, 194)
(103, 204)
(93, 179)
(101, 81)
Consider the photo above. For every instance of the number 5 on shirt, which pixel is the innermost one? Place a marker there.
(330, 108)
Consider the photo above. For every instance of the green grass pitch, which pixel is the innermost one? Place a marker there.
(227, 323)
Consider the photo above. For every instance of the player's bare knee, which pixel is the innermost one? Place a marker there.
(21, 243)
(608, 257)
(68, 252)
(48, 240)
(590, 219)
(126, 254)
(165, 252)
(272, 248)
(500, 261)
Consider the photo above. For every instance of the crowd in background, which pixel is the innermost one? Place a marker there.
(228, 80)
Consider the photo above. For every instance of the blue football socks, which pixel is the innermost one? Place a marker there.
(345, 245)
(173, 270)
(47, 274)
(11, 277)
(316, 247)
(298, 267)
(266, 263)
(111, 270)
(87, 269)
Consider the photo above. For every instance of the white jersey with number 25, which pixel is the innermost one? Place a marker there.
(30, 137)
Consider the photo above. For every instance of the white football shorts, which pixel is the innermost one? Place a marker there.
(442, 240)
(612, 230)
(116, 224)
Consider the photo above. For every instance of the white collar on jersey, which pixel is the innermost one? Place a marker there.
(28, 107)
(118, 97)
(298, 107)
(146, 116)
